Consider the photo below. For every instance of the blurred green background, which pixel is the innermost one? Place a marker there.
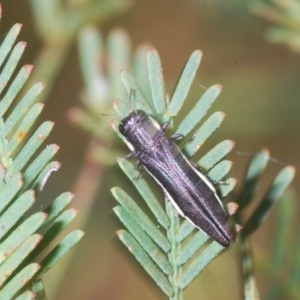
(261, 94)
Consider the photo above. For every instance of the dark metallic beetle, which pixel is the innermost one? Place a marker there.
(191, 193)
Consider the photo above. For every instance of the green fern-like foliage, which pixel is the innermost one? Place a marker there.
(101, 62)
(24, 170)
(285, 15)
(254, 172)
(165, 253)
(174, 252)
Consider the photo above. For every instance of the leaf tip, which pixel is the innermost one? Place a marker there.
(120, 233)
(69, 195)
(198, 52)
(74, 211)
(114, 190)
(44, 215)
(22, 44)
(123, 71)
(115, 102)
(291, 169)
(222, 114)
(56, 147)
(151, 50)
(232, 143)
(114, 125)
(238, 228)
(219, 87)
(265, 151)
(232, 208)
(28, 69)
(19, 25)
(39, 238)
(81, 233)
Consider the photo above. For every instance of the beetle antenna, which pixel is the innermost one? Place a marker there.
(131, 94)
(200, 84)
(110, 115)
(130, 98)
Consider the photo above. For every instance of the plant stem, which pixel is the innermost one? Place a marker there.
(174, 253)
(250, 288)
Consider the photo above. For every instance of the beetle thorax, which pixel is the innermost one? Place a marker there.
(140, 130)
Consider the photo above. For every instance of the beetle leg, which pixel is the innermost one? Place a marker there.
(138, 176)
(192, 138)
(131, 155)
(176, 136)
(136, 165)
(219, 182)
(165, 126)
(197, 167)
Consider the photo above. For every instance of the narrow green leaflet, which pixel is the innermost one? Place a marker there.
(22, 131)
(15, 88)
(13, 214)
(10, 190)
(145, 191)
(281, 182)
(22, 108)
(11, 64)
(146, 262)
(59, 251)
(19, 281)
(204, 132)
(119, 50)
(140, 70)
(192, 246)
(226, 187)
(140, 100)
(256, 167)
(29, 295)
(39, 164)
(156, 81)
(9, 41)
(198, 265)
(184, 231)
(219, 171)
(20, 234)
(57, 206)
(184, 83)
(30, 148)
(54, 230)
(144, 240)
(199, 110)
(90, 53)
(141, 218)
(286, 216)
(215, 154)
(121, 107)
(14, 260)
